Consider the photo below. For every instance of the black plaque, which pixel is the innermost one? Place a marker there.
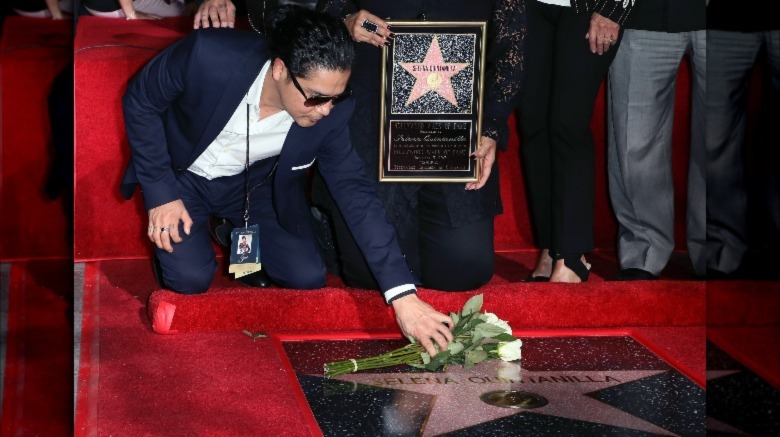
(431, 105)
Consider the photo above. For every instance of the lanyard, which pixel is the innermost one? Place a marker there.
(247, 190)
(246, 171)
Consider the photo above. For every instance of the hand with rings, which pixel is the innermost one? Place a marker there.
(602, 34)
(366, 27)
(164, 224)
(221, 13)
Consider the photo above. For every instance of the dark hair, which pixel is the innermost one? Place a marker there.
(307, 40)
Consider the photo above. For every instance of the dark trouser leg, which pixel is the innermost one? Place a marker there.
(576, 77)
(452, 259)
(190, 268)
(535, 148)
(289, 260)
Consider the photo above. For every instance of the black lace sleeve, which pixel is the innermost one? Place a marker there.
(337, 8)
(506, 68)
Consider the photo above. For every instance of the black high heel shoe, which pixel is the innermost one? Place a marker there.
(540, 278)
(575, 264)
(532, 278)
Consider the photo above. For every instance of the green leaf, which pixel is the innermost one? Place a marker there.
(455, 318)
(476, 339)
(419, 366)
(439, 360)
(505, 337)
(476, 356)
(457, 359)
(489, 347)
(433, 365)
(473, 305)
(455, 347)
(488, 330)
(462, 325)
(468, 363)
(426, 357)
(473, 323)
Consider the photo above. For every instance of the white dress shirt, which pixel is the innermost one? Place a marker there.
(226, 155)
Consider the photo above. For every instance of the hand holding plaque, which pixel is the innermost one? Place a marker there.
(432, 87)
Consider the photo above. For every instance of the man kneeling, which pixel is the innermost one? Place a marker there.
(226, 112)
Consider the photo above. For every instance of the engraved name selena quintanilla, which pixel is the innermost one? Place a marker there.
(560, 379)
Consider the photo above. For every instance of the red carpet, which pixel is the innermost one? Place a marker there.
(38, 386)
(336, 308)
(224, 383)
(107, 56)
(33, 53)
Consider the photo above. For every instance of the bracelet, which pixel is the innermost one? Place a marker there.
(131, 16)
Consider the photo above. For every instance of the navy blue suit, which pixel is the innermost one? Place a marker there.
(178, 104)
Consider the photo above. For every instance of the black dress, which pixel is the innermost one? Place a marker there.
(457, 207)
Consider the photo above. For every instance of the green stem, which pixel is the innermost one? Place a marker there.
(409, 354)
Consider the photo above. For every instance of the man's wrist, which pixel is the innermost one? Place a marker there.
(398, 292)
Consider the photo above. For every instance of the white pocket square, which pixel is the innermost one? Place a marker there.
(301, 167)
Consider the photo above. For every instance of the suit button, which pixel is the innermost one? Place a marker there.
(179, 170)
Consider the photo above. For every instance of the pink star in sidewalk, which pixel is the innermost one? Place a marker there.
(433, 74)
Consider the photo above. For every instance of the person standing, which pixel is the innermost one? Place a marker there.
(569, 52)
(642, 81)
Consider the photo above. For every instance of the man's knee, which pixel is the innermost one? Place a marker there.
(301, 276)
(189, 279)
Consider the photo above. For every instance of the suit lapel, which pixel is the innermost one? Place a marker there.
(235, 88)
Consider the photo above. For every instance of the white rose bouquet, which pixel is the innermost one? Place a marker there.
(477, 337)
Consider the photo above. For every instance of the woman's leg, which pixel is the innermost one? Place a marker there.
(535, 148)
(577, 76)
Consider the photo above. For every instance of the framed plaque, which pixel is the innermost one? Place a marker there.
(431, 101)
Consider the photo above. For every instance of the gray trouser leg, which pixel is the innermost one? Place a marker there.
(642, 82)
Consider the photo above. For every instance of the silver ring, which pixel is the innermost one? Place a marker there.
(163, 229)
(369, 26)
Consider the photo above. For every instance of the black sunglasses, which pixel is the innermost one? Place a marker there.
(319, 100)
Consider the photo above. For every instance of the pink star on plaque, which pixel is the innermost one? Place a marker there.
(433, 74)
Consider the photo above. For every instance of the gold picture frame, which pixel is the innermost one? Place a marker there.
(432, 92)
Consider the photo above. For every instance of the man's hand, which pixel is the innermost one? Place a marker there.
(603, 33)
(354, 23)
(164, 224)
(487, 155)
(419, 320)
(222, 13)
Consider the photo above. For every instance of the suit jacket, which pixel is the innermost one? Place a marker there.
(615, 10)
(177, 105)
